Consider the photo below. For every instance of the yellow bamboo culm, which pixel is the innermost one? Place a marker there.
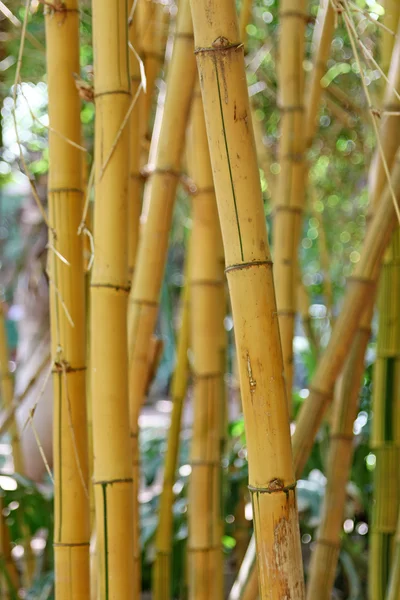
(244, 20)
(152, 30)
(67, 308)
(290, 192)
(205, 542)
(160, 194)
(326, 552)
(163, 542)
(391, 20)
(109, 293)
(385, 438)
(393, 589)
(220, 59)
(135, 177)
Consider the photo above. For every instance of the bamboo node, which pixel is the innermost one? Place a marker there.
(221, 44)
(112, 481)
(247, 265)
(275, 485)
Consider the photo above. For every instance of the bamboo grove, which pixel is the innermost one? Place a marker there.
(202, 138)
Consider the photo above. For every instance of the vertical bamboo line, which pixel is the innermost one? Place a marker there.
(109, 294)
(391, 20)
(205, 544)
(160, 194)
(248, 266)
(67, 293)
(163, 543)
(385, 438)
(290, 193)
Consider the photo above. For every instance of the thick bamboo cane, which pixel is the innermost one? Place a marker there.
(290, 192)
(236, 178)
(163, 543)
(385, 438)
(160, 191)
(109, 287)
(325, 555)
(205, 544)
(67, 308)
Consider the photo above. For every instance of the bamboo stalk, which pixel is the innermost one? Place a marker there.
(205, 543)
(389, 129)
(135, 177)
(321, 43)
(244, 20)
(163, 543)
(385, 438)
(325, 555)
(236, 178)
(152, 21)
(109, 292)
(67, 308)
(159, 196)
(246, 582)
(290, 193)
(393, 589)
(391, 20)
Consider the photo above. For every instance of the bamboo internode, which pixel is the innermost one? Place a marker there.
(67, 308)
(290, 192)
(109, 295)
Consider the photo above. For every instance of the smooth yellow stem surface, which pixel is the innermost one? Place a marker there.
(205, 544)
(109, 293)
(163, 542)
(248, 265)
(290, 192)
(67, 309)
